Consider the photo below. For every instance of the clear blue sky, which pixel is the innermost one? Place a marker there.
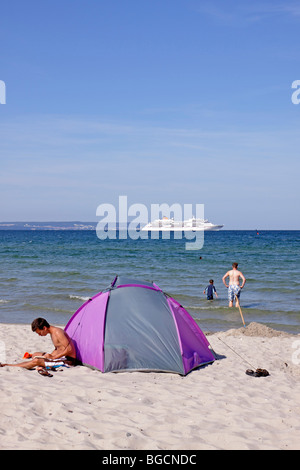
(165, 101)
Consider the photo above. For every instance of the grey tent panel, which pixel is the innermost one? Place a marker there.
(146, 337)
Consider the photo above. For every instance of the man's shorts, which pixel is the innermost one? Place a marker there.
(233, 291)
(64, 361)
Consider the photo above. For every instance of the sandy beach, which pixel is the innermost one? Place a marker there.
(214, 407)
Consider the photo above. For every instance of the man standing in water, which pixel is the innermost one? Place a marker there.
(234, 288)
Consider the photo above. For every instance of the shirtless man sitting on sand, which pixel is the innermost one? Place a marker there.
(234, 288)
(64, 352)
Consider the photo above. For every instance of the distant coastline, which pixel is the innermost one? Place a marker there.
(48, 225)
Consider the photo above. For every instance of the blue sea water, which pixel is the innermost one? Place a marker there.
(51, 273)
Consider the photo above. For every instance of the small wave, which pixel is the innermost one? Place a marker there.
(43, 308)
(207, 307)
(4, 301)
(8, 280)
(78, 297)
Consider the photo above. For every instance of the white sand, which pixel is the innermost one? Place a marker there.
(216, 407)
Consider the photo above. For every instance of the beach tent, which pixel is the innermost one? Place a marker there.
(134, 325)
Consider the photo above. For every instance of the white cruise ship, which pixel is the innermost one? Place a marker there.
(170, 225)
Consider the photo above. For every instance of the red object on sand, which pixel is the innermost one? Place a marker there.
(27, 356)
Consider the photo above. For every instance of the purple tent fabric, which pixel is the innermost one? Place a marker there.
(86, 328)
(195, 348)
(133, 325)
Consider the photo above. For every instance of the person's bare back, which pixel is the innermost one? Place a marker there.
(62, 343)
(234, 277)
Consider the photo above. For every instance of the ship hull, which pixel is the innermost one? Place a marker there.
(214, 228)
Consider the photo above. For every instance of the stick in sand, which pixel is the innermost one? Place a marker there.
(238, 302)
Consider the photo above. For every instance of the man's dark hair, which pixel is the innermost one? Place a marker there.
(39, 323)
(235, 265)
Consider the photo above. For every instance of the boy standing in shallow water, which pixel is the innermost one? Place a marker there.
(234, 288)
(210, 290)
